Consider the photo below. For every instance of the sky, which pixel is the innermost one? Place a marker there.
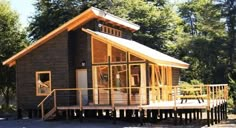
(24, 8)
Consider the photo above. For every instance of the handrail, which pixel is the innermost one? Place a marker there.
(46, 97)
(217, 92)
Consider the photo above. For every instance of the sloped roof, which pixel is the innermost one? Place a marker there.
(139, 49)
(84, 17)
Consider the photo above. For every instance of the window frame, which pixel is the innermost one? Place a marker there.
(36, 83)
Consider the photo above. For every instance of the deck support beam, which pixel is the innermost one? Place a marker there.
(208, 117)
(198, 114)
(149, 116)
(161, 114)
(141, 116)
(215, 111)
(19, 113)
(180, 117)
(166, 114)
(30, 113)
(222, 111)
(114, 116)
(122, 114)
(129, 114)
(186, 117)
(194, 114)
(226, 114)
(212, 117)
(80, 115)
(190, 116)
(218, 113)
(175, 116)
(201, 114)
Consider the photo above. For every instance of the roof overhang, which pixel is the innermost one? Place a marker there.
(84, 17)
(138, 49)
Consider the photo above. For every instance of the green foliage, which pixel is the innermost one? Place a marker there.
(232, 89)
(12, 39)
(50, 14)
(160, 25)
(202, 17)
(231, 106)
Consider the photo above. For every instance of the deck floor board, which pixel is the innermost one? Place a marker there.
(190, 104)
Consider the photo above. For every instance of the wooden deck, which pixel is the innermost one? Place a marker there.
(211, 98)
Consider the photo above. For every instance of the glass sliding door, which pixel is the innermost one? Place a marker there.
(100, 85)
(119, 84)
(137, 84)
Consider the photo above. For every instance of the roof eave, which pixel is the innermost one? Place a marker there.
(113, 18)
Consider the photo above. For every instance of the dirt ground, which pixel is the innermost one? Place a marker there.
(101, 123)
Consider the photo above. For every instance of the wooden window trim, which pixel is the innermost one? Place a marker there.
(36, 83)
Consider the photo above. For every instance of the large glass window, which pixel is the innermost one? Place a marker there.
(101, 78)
(43, 83)
(119, 84)
(99, 52)
(135, 58)
(119, 78)
(118, 55)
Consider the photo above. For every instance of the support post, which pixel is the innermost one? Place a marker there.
(218, 107)
(198, 114)
(19, 113)
(175, 116)
(80, 115)
(161, 114)
(226, 111)
(114, 116)
(180, 117)
(141, 116)
(212, 118)
(30, 113)
(122, 115)
(194, 114)
(186, 118)
(215, 108)
(190, 116)
(149, 115)
(42, 111)
(208, 117)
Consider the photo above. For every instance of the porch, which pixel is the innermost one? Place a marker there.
(147, 102)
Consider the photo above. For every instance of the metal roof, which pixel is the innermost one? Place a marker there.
(139, 49)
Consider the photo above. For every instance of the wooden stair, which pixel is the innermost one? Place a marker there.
(50, 114)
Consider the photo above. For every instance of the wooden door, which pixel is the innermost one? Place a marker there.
(82, 82)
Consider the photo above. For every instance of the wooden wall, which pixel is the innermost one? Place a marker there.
(175, 76)
(52, 56)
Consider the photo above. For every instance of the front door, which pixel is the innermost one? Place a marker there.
(82, 82)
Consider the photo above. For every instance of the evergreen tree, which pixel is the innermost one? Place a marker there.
(12, 39)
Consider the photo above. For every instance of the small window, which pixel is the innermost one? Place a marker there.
(111, 31)
(43, 83)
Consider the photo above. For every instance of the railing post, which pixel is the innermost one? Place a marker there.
(55, 99)
(112, 98)
(42, 111)
(140, 96)
(208, 97)
(80, 100)
(175, 95)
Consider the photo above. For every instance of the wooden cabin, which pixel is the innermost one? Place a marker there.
(92, 60)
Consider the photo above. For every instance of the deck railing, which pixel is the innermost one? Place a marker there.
(140, 96)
